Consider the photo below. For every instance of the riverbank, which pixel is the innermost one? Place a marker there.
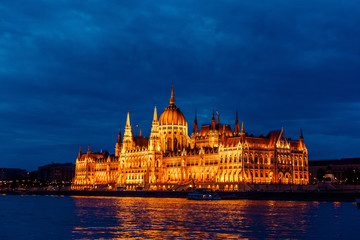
(251, 195)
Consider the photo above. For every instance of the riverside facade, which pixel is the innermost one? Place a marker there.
(214, 157)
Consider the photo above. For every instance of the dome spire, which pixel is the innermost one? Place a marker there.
(172, 99)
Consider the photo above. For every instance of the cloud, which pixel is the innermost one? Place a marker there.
(70, 71)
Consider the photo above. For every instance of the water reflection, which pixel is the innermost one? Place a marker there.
(179, 218)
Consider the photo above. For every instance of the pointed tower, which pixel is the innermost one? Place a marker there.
(79, 155)
(194, 133)
(155, 115)
(118, 145)
(173, 129)
(301, 141)
(214, 132)
(154, 135)
(196, 128)
(88, 151)
(128, 142)
(213, 123)
(242, 133)
(237, 127)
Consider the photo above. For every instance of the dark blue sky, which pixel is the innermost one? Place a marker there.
(70, 71)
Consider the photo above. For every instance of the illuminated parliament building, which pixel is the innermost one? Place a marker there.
(215, 157)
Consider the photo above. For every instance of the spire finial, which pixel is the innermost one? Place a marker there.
(242, 127)
(128, 119)
(195, 129)
(155, 114)
(79, 152)
(140, 133)
(213, 124)
(237, 127)
(172, 99)
(88, 151)
(301, 134)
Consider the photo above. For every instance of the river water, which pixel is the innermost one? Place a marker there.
(49, 217)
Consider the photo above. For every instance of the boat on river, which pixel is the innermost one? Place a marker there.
(203, 194)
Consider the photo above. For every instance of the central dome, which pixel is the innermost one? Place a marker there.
(172, 114)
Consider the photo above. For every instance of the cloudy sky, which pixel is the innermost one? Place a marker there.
(70, 71)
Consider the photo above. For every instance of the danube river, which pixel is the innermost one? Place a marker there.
(49, 217)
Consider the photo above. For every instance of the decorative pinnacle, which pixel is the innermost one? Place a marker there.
(128, 119)
(195, 129)
(237, 128)
(172, 99)
(155, 114)
(242, 127)
(301, 134)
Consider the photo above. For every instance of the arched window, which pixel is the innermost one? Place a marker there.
(175, 144)
(169, 144)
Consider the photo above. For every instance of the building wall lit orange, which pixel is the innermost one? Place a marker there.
(216, 157)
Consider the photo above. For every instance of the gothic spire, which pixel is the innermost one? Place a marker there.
(79, 153)
(155, 114)
(128, 119)
(213, 124)
(88, 151)
(140, 133)
(242, 128)
(301, 134)
(237, 127)
(195, 129)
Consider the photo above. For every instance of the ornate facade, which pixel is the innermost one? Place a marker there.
(216, 157)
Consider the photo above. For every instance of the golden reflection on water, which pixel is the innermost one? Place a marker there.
(168, 218)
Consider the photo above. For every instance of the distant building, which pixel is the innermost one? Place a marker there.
(345, 170)
(216, 157)
(8, 174)
(56, 172)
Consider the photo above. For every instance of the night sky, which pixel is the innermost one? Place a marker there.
(70, 71)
